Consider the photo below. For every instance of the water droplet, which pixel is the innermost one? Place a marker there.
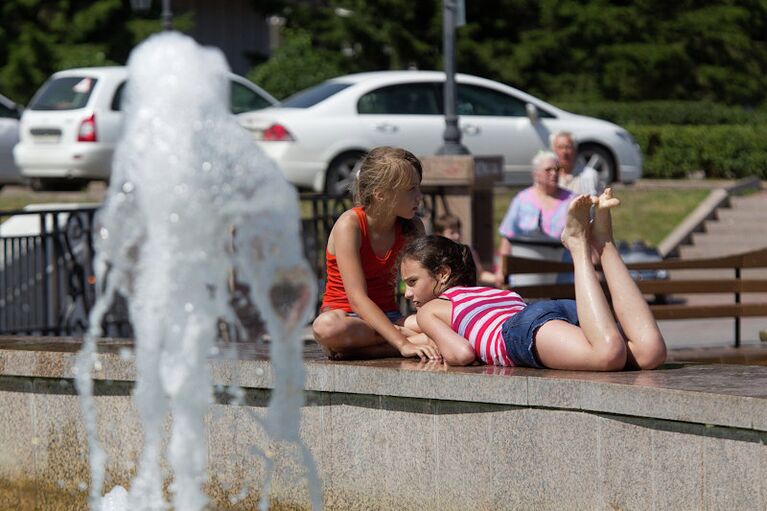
(214, 350)
(188, 307)
(206, 166)
(173, 218)
(175, 329)
(82, 486)
(128, 187)
(125, 353)
(97, 366)
(259, 371)
(104, 233)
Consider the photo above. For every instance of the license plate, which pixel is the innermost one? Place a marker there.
(46, 139)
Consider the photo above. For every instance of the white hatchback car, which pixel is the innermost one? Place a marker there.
(71, 127)
(317, 135)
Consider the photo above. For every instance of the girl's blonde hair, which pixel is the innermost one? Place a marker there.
(385, 170)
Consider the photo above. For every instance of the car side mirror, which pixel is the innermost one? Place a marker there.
(532, 112)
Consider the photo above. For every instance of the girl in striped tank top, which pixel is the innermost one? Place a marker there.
(495, 326)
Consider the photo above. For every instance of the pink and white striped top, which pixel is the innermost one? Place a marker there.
(479, 314)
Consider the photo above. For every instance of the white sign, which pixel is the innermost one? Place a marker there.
(460, 13)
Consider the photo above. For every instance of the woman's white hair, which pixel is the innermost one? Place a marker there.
(543, 156)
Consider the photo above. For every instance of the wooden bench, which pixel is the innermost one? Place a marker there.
(735, 285)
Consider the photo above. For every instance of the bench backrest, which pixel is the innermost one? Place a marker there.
(734, 285)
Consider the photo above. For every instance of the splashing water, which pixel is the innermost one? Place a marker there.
(192, 198)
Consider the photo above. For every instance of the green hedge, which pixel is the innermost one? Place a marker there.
(723, 151)
(667, 112)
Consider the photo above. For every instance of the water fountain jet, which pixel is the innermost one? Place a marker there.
(191, 200)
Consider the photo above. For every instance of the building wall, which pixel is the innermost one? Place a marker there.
(234, 26)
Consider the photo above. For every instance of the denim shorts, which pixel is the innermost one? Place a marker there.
(520, 329)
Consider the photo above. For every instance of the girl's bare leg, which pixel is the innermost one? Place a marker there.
(597, 344)
(343, 336)
(645, 344)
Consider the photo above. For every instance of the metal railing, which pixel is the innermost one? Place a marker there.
(46, 271)
(47, 283)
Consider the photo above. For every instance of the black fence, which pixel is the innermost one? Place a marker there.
(47, 274)
(47, 271)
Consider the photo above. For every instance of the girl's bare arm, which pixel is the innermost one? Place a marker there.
(434, 320)
(347, 239)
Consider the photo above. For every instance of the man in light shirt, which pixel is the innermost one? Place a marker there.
(573, 176)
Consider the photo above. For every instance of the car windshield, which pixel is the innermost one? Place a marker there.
(67, 93)
(314, 95)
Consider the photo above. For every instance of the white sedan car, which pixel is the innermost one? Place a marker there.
(70, 129)
(317, 135)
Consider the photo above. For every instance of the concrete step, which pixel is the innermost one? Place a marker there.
(758, 203)
(731, 237)
(743, 215)
(742, 227)
(731, 226)
(733, 247)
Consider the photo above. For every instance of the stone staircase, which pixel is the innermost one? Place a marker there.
(735, 229)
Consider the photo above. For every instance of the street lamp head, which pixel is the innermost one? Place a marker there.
(141, 5)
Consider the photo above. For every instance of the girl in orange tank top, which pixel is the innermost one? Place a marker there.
(359, 317)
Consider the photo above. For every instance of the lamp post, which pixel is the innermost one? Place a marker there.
(167, 15)
(452, 135)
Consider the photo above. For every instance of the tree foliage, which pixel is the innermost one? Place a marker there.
(39, 37)
(295, 65)
(712, 50)
(570, 50)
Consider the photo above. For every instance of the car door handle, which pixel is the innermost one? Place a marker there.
(387, 128)
(470, 129)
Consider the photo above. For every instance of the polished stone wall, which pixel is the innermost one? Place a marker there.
(401, 435)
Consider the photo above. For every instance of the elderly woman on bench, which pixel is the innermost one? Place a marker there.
(540, 208)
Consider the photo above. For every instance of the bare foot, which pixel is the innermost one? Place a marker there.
(602, 227)
(576, 229)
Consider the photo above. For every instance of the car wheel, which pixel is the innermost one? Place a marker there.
(341, 173)
(600, 159)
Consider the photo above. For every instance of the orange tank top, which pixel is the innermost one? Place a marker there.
(379, 272)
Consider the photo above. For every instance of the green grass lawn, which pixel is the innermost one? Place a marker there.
(645, 214)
